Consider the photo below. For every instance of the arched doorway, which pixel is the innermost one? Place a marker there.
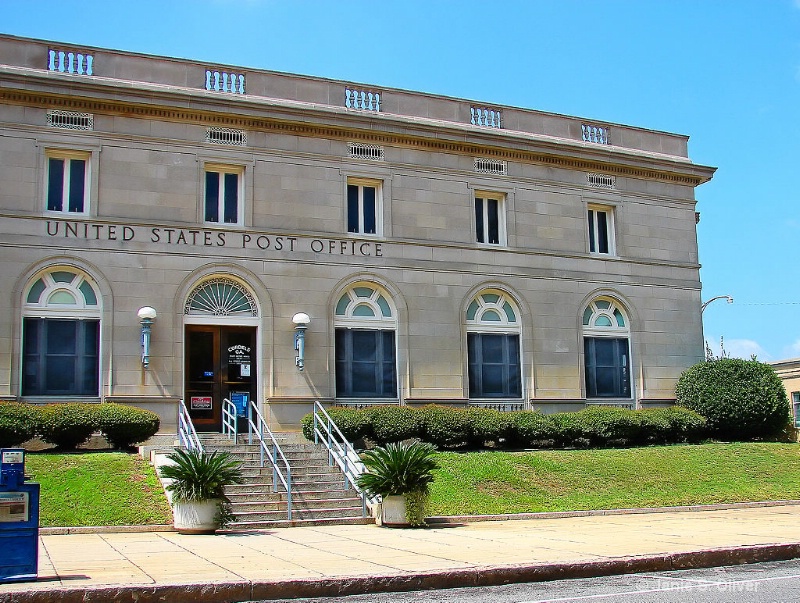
(221, 351)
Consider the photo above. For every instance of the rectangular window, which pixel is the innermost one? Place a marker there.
(223, 195)
(363, 207)
(494, 366)
(601, 230)
(60, 357)
(67, 183)
(489, 220)
(796, 408)
(365, 364)
(607, 367)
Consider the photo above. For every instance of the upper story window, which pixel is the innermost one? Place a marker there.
(490, 218)
(493, 346)
(67, 182)
(364, 205)
(223, 195)
(600, 221)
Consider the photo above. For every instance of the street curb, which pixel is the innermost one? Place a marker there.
(239, 591)
(451, 519)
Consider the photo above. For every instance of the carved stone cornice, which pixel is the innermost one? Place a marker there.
(679, 174)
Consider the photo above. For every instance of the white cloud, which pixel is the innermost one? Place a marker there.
(792, 351)
(745, 348)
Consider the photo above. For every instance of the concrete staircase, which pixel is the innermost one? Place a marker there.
(318, 493)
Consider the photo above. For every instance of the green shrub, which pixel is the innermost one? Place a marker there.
(125, 426)
(19, 423)
(393, 424)
(740, 399)
(445, 426)
(68, 425)
(671, 425)
(488, 425)
(352, 422)
(601, 426)
(531, 429)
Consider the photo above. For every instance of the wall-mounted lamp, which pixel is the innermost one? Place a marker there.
(147, 316)
(300, 320)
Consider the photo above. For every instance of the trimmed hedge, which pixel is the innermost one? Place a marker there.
(449, 427)
(741, 399)
(68, 425)
(18, 423)
(124, 426)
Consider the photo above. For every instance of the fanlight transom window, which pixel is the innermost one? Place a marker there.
(605, 315)
(221, 297)
(493, 309)
(364, 303)
(62, 290)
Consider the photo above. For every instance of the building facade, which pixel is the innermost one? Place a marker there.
(443, 250)
(789, 372)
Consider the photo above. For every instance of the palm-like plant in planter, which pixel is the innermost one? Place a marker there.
(401, 474)
(197, 488)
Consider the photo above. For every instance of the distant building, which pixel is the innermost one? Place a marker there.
(789, 372)
(445, 250)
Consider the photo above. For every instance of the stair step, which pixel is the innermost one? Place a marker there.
(239, 509)
(241, 526)
(278, 515)
(266, 494)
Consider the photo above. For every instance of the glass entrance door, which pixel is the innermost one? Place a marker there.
(220, 363)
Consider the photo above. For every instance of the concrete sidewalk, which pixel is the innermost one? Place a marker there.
(321, 561)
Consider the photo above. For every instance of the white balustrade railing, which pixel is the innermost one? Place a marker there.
(225, 81)
(485, 116)
(596, 134)
(362, 99)
(70, 61)
(625, 405)
(340, 452)
(187, 436)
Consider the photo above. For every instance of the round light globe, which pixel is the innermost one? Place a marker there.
(301, 318)
(147, 313)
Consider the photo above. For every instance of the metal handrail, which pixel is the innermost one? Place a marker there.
(229, 419)
(341, 452)
(187, 436)
(276, 456)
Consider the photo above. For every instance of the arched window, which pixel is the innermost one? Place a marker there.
(221, 297)
(61, 335)
(606, 349)
(365, 322)
(493, 346)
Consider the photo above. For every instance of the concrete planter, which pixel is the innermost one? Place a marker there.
(393, 512)
(196, 517)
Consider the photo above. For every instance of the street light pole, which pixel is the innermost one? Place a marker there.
(728, 297)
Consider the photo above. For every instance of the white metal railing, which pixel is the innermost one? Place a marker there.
(269, 448)
(341, 452)
(187, 436)
(626, 405)
(501, 406)
(229, 419)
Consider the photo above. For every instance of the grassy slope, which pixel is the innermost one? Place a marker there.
(600, 479)
(97, 489)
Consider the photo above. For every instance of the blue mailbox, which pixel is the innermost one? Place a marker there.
(19, 519)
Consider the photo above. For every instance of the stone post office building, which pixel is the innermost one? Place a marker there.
(444, 250)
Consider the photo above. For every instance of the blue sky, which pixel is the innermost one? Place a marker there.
(725, 72)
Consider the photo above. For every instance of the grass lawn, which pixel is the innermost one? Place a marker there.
(97, 489)
(569, 480)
